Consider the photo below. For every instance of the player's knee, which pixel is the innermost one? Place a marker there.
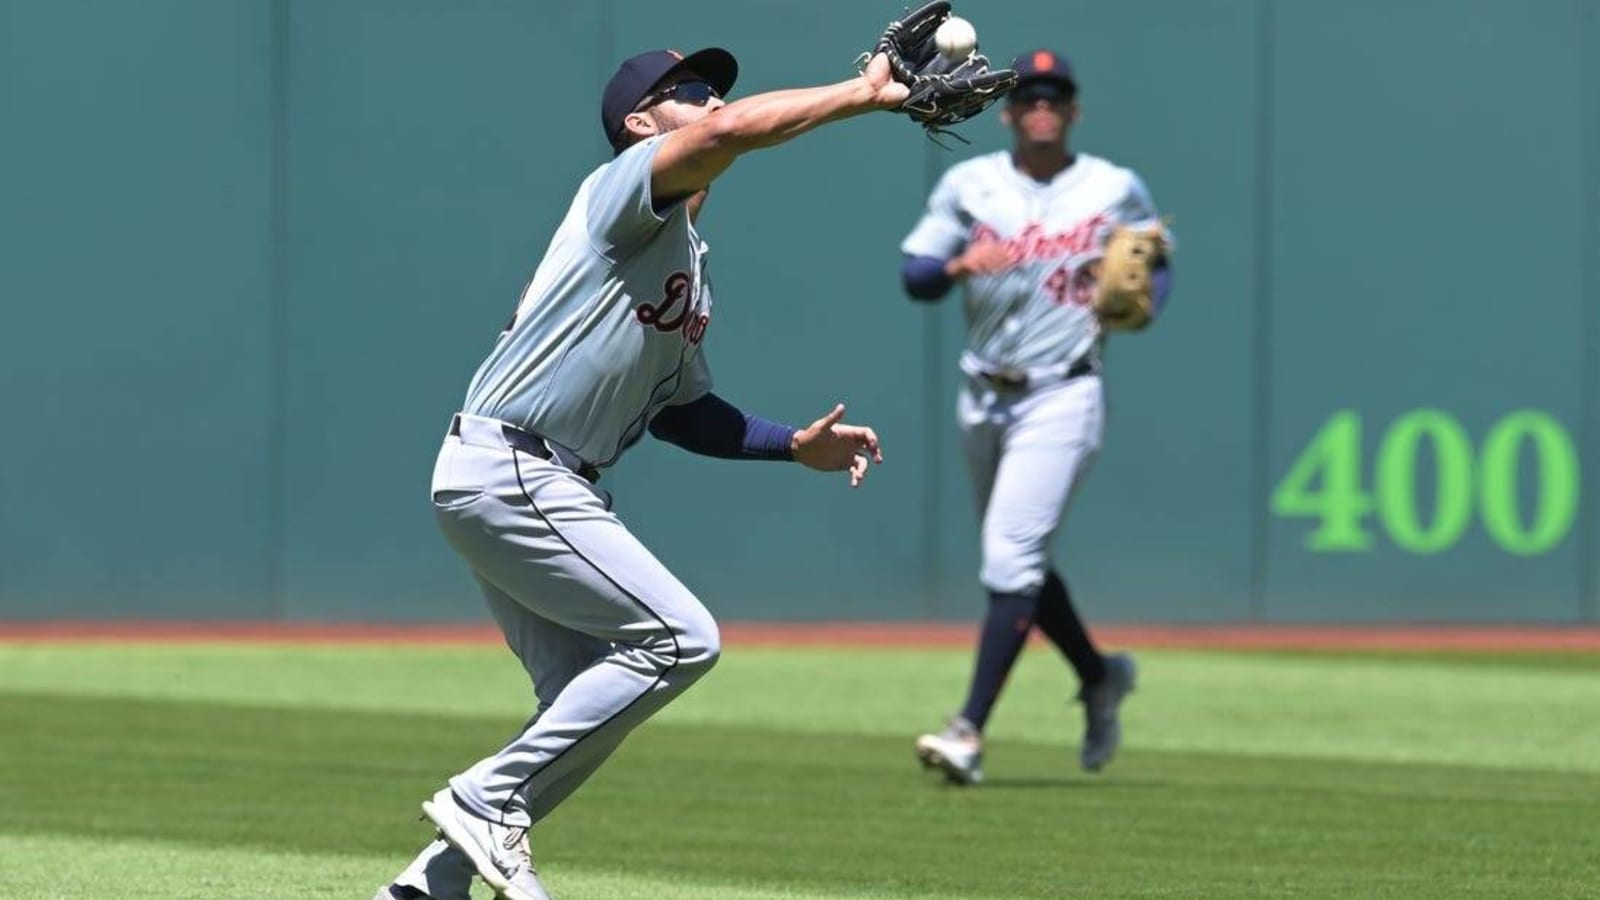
(699, 645)
(701, 653)
(1012, 580)
(1011, 567)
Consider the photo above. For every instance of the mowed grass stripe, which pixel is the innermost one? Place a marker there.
(820, 814)
(1460, 711)
(57, 868)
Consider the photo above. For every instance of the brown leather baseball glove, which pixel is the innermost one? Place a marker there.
(1123, 297)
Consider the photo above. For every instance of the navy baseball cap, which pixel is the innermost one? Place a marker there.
(638, 75)
(1043, 65)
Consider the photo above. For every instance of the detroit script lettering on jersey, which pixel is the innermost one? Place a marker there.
(1035, 311)
(609, 329)
(660, 315)
(1033, 243)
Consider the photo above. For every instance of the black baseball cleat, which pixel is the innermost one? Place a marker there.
(1102, 730)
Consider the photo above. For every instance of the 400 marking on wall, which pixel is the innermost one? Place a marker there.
(1325, 484)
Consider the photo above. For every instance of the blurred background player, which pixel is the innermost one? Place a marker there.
(1024, 230)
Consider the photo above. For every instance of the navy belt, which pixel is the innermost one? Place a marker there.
(534, 445)
(1017, 379)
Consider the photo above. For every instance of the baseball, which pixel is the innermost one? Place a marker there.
(956, 38)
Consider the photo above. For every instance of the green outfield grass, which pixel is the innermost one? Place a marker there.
(219, 771)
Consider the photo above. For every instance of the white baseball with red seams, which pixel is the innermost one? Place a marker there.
(956, 38)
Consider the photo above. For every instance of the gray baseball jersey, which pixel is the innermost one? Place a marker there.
(609, 329)
(1035, 314)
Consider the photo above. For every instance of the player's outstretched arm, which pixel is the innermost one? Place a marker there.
(828, 446)
(693, 156)
(711, 426)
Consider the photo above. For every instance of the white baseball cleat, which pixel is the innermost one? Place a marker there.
(498, 852)
(957, 751)
(1102, 731)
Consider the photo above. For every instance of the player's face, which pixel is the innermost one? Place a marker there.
(1040, 112)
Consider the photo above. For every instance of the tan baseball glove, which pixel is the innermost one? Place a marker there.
(1122, 299)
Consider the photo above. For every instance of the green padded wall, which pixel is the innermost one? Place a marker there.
(254, 249)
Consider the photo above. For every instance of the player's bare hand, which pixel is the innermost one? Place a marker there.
(982, 258)
(827, 445)
(886, 92)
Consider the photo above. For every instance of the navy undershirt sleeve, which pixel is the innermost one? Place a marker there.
(924, 277)
(711, 426)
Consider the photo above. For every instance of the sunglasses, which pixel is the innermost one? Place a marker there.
(694, 93)
(1048, 91)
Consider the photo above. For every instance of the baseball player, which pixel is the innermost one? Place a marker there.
(606, 344)
(1054, 249)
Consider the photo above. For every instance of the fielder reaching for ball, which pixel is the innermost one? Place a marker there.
(1054, 250)
(605, 345)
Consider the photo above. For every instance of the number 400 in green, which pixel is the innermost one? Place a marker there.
(1487, 480)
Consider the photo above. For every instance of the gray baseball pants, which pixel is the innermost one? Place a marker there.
(607, 634)
(1027, 451)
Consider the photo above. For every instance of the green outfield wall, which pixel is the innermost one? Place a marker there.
(252, 250)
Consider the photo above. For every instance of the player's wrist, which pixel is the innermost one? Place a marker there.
(862, 95)
(877, 83)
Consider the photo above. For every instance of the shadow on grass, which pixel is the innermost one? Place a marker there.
(1067, 783)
